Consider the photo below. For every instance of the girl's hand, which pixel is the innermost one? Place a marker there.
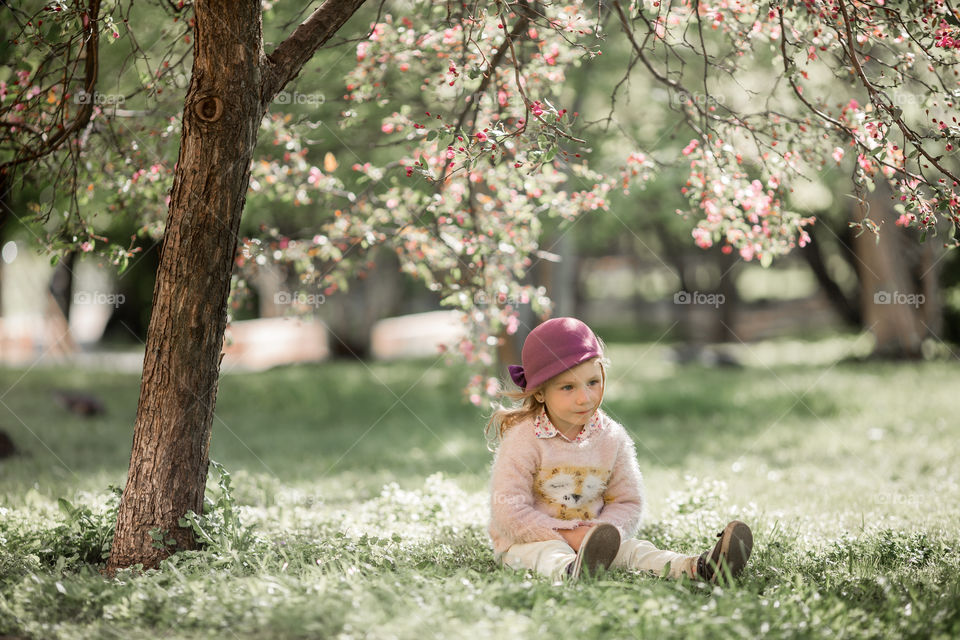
(574, 537)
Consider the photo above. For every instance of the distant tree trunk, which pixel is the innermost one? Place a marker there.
(560, 278)
(351, 315)
(929, 277)
(231, 85)
(129, 321)
(4, 216)
(725, 328)
(61, 283)
(676, 254)
(888, 301)
(847, 309)
(269, 282)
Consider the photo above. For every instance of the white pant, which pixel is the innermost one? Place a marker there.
(551, 557)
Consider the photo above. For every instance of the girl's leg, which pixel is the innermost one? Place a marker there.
(643, 556)
(548, 558)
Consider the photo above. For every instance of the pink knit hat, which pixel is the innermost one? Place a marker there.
(553, 347)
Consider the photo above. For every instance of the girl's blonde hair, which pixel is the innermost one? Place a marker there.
(525, 405)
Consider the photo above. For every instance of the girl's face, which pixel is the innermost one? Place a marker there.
(573, 396)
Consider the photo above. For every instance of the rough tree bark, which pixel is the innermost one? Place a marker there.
(232, 84)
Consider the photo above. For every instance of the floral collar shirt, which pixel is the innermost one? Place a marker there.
(543, 428)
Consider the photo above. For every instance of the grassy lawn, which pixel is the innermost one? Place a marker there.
(359, 495)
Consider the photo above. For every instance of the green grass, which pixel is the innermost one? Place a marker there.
(361, 505)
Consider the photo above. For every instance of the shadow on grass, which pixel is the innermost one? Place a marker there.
(404, 419)
(714, 413)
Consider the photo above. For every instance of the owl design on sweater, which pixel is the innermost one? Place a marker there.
(571, 492)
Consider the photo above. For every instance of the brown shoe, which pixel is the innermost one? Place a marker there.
(598, 549)
(730, 554)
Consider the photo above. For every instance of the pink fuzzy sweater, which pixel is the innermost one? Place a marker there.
(542, 482)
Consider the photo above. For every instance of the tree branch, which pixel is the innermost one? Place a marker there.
(91, 34)
(518, 28)
(288, 58)
(894, 113)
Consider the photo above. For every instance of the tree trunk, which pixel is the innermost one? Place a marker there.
(4, 216)
(222, 112)
(812, 253)
(888, 298)
(727, 311)
(232, 83)
(61, 283)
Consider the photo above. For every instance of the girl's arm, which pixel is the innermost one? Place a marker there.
(511, 487)
(624, 496)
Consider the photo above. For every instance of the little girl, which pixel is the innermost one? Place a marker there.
(566, 491)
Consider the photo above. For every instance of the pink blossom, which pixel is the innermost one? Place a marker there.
(86, 247)
(702, 237)
(362, 49)
(713, 212)
(735, 236)
(687, 150)
(481, 136)
(551, 57)
(837, 154)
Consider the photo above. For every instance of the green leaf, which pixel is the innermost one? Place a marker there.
(66, 507)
